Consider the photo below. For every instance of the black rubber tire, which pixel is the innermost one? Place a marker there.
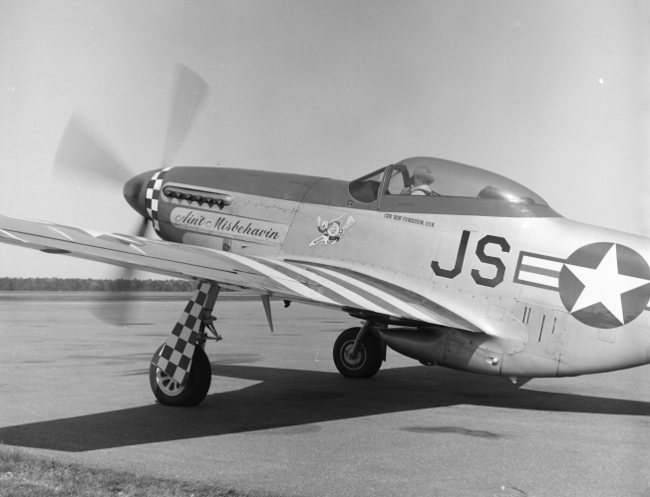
(190, 395)
(367, 360)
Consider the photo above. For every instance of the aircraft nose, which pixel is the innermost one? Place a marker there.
(135, 190)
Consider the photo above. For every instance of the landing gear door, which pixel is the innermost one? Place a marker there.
(545, 329)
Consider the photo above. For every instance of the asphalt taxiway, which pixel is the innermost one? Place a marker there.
(280, 419)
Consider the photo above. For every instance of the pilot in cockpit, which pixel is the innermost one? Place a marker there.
(421, 181)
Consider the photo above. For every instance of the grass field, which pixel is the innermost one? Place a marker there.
(24, 475)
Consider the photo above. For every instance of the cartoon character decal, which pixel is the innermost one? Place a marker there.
(332, 231)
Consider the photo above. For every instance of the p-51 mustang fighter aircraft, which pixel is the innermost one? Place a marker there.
(445, 263)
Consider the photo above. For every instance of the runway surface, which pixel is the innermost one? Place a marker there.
(280, 419)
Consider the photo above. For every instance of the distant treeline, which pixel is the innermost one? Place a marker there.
(91, 285)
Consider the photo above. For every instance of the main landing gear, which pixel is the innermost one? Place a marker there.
(180, 373)
(358, 352)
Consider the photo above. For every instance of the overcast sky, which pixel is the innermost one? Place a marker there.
(552, 94)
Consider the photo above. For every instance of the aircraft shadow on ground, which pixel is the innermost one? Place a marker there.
(291, 398)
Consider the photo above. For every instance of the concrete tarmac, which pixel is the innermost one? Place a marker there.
(279, 419)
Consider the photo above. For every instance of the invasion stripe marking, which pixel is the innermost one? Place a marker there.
(64, 235)
(447, 317)
(284, 280)
(135, 247)
(88, 231)
(357, 299)
(125, 238)
(355, 288)
(310, 283)
(13, 236)
(403, 306)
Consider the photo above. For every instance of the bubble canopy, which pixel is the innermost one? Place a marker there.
(431, 184)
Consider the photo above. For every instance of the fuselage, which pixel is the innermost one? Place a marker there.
(519, 282)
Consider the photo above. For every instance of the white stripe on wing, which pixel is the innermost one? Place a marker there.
(13, 236)
(336, 288)
(395, 302)
(283, 279)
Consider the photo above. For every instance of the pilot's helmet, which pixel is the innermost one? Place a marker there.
(424, 174)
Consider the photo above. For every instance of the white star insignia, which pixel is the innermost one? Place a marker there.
(604, 285)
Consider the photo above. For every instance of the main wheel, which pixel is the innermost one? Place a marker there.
(365, 362)
(171, 393)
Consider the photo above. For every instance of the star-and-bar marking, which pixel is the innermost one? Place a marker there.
(603, 285)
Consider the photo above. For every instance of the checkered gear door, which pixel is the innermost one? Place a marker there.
(175, 358)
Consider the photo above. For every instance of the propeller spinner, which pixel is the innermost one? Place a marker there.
(134, 192)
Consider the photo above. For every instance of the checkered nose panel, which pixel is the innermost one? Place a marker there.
(175, 358)
(152, 196)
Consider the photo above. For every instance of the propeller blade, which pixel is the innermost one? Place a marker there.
(119, 308)
(190, 95)
(82, 155)
(142, 228)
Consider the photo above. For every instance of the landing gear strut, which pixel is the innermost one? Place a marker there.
(180, 373)
(358, 352)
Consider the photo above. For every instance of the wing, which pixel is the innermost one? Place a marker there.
(320, 284)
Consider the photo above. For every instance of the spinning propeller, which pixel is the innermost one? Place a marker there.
(84, 156)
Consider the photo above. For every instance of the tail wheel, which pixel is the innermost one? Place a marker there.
(367, 359)
(171, 393)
